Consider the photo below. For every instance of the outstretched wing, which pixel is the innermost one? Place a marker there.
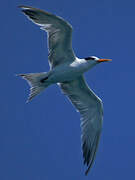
(90, 108)
(59, 34)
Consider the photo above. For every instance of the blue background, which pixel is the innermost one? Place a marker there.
(41, 140)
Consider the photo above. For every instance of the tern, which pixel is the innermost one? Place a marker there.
(67, 71)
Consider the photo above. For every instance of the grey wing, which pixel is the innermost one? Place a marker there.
(59, 34)
(90, 108)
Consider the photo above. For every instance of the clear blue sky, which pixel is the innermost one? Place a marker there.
(41, 140)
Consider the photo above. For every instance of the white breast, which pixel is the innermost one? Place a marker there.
(69, 72)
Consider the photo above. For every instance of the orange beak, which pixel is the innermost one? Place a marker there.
(104, 60)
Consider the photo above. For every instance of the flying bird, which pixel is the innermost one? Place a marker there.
(67, 71)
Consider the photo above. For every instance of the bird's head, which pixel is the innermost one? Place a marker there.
(95, 60)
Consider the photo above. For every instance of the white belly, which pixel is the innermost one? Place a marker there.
(67, 72)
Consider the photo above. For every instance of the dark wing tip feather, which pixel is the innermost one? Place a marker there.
(34, 13)
(89, 165)
(90, 152)
(24, 7)
(86, 153)
(30, 13)
(34, 9)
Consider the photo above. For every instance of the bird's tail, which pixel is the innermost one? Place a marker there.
(37, 81)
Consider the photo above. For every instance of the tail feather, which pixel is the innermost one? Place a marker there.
(36, 83)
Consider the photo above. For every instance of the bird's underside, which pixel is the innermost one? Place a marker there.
(85, 101)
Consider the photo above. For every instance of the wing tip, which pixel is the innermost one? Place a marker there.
(86, 172)
(88, 168)
(90, 156)
(24, 7)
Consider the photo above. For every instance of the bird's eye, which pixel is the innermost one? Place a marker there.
(90, 58)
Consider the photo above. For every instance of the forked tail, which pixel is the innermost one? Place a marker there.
(37, 82)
